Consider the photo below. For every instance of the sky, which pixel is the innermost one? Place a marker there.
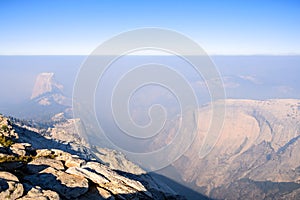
(224, 27)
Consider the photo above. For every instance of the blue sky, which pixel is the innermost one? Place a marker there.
(65, 27)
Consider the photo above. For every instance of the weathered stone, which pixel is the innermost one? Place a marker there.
(37, 193)
(54, 153)
(117, 160)
(65, 184)
(87, 173)
(74, 162)
(45, 176)
(19, 148)
(8, 176)
(104, 193)
(61, 155)
(10, 188)
(117, 184)
(44, 153)
(97, 193)
(42, 163)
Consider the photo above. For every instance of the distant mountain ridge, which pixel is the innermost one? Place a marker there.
(256, 156)
(47, 90)
(47, 100)
(45, 82)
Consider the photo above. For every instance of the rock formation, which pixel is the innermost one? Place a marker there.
(47, 91)
(47, 100)
(45, 83)
(255, 157)
(29, 171)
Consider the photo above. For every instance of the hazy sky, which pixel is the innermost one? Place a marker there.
(220, 27)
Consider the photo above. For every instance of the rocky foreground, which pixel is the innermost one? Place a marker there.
(29, 171)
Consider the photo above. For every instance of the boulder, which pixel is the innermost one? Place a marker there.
(42, 163)
(113, 176)
(109, 179)
(97, 193)
(10, 187)
(65, 184)
(37, 193)
(20, 148)
(74, 162)
(54, 153)
(89, 174)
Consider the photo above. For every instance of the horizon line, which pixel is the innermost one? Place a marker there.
(151, 55)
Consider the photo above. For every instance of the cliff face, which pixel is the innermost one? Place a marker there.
(33, 166)
(256, 155)
(47, 100)
(47, 90)
(45, 83)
